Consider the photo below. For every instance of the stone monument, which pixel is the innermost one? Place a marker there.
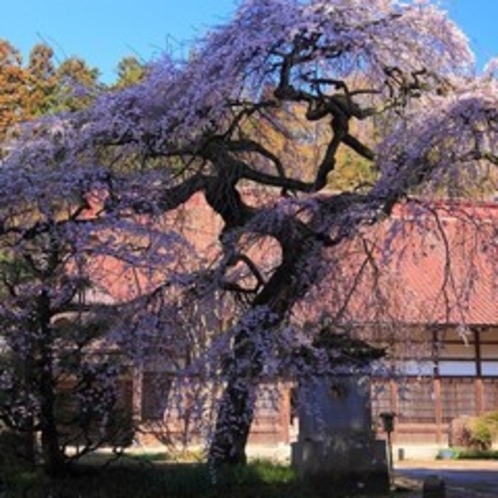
(336, 445)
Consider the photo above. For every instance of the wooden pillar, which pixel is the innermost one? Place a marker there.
(285, 412)
(438, 403)
(438, 409)
(393, 391)
(137, 392)
(479, 388)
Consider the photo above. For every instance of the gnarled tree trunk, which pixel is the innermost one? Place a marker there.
(269, 309)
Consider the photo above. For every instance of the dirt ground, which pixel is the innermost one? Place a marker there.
(463, 478)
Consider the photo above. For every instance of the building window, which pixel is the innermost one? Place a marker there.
(156, 387)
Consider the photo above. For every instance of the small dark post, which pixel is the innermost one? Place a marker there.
(434, 487)
(388, 427)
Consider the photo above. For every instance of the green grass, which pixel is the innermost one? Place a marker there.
(149, 476)
(467, 454)
(476, 455)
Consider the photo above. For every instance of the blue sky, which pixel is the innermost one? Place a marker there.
(103, 31)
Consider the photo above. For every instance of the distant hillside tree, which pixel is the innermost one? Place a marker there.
(42, 81)
(13, 89)
(130, 71)
(77, 84)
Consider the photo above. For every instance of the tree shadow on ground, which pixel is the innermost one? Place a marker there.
(145, 479)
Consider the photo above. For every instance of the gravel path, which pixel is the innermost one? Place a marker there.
(464, 479)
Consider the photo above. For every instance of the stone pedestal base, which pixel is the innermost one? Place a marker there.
(343, 462)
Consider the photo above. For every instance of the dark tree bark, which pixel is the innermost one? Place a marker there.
(52, 455)
(233, 423)
(284, 288)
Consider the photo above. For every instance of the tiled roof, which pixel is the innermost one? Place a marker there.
(426, 264)
(431, 263)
